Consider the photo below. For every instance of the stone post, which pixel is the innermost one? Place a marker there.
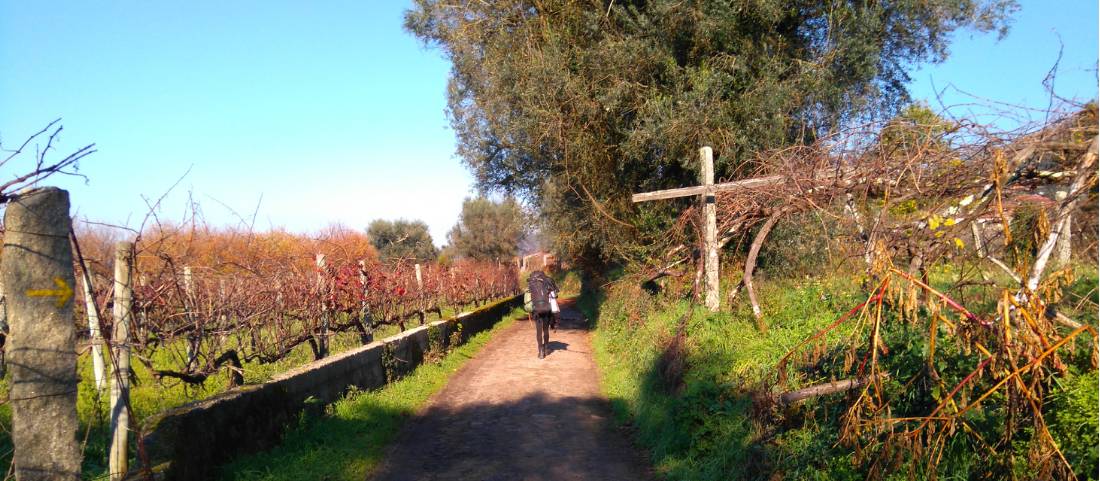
(37, 275)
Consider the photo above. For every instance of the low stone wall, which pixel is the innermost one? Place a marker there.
(189, 442)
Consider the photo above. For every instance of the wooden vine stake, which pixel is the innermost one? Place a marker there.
(322, 336)
(194, 341)
(419, 294)
(120, 380)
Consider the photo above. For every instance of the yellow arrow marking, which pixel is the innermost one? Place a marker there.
(63, 292)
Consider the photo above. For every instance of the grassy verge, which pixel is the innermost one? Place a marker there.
(691, 400)
(697, 421)
(350, 439)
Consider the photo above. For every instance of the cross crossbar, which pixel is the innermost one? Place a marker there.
(702, 189)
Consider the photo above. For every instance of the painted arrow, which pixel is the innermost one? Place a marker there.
(63, 292)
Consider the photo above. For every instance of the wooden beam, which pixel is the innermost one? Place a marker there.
(700, 189)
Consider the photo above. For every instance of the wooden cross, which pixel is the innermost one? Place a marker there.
(708, 191)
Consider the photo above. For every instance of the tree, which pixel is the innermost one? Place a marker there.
(916, 127)
(574, 105)
(401, 240)
(488, 230)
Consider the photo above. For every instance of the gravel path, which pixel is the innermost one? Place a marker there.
(507, 415)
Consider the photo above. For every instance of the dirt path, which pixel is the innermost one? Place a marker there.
(507, 415)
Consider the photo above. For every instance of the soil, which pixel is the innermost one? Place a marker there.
(508, 415)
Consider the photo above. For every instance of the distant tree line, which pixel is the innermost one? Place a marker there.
(486, 230)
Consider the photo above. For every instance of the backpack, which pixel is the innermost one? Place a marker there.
(539, 289)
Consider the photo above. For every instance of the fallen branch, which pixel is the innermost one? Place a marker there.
(834, 387)
(1082, 182)
(750, 266)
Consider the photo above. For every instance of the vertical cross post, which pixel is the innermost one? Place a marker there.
(710, 230)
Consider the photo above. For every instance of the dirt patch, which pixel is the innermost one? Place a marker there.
(507, 415)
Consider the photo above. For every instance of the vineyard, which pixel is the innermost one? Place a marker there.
(213, 309)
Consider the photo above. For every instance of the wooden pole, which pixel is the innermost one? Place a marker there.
(37, 274)
(710, 234)
(194, 340)
(366, 323)
(419, 294)
(188, 285)
(120, 380)
(363, 278)
(322, 338)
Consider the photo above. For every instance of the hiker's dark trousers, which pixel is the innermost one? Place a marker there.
(542, 332)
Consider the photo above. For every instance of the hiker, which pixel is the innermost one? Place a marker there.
(541, 286)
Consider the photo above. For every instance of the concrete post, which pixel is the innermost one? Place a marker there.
(98, 369)
(120, 379)
(37, 275)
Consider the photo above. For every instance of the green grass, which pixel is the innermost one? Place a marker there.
(703, 429)
(350, 439)
(704, 424)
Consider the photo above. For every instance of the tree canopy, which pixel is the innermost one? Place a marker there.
(488, 230)
(402, 240)
(574, 105)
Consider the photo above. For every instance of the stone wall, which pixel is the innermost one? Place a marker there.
(189, 442)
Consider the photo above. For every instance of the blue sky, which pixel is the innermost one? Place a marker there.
(329, 111)
(1012, 70)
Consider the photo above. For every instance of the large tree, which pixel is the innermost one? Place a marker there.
(488, 230)
(573, 105)
(402, 240)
